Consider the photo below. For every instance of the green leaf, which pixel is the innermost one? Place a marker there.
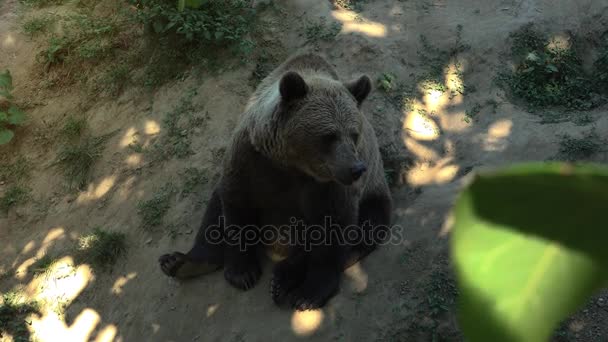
(15, 116)
(181, 4)
(552, 68)
(6, 80)
(529, 248)
(3, 117)
(194, 3)
(6, 135)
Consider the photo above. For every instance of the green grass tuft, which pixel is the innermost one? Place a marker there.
(16, 171)
(153, 210)
(14, 310)
(580, 149)
(102, 249)
(73, 128)
(15, 195)
(43, 265)
(77, 159)
(316, 32)
(37, 25)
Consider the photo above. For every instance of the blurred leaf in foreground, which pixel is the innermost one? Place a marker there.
(529, 247)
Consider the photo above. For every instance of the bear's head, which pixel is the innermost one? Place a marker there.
(321, 126)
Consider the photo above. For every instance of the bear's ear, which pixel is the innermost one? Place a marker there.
(292, 86)
(360, 88)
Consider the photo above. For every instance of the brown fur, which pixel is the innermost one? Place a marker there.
(295, 154)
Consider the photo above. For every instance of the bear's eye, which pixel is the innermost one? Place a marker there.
(355, 137)
(329, 138)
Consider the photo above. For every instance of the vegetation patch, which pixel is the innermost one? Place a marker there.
(14, 309)
(549, 72)
(315, 32)
(192, 179)
(76, 159)
(10, 115)
(17, 171)
(102, 249)
(37, 25)
(43, 265)
(195, 35)
(153, 210)
(15, 195)
(580, 149)
(178, 125)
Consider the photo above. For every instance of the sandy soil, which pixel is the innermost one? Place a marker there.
(401, 292)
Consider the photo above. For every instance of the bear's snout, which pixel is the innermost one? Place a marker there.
(357, 170)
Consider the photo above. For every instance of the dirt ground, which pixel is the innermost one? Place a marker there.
(401, 292)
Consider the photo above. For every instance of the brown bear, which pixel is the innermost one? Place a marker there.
(302, 152)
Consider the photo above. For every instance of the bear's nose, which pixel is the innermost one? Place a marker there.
(357, 170)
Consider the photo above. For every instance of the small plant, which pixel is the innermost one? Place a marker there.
(14, 195)
(77, 159)
(353, 5)
(386, 82)
(178, 125)
(580, 149)
(319, 31)
(41, 3)
(549, 73)
(10, 115)
(73, 128)
(14, 309)
(116, 78)
(102, 249)
(37, 25)
(191, 179)
(471, 114)
(43, 265)
(153, 210)
(216, 23)
(15, 172)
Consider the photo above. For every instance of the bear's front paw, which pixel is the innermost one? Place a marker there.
(287, 275)
(243, 273)
(317, 289)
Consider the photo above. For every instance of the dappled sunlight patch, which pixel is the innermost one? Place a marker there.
(97, 192)
(306, 323)
(121, 282)
(124, 191)
(454, 82)
(357, 277)
(9, 41)
(560, 42)
(419, 150)
(498, 133)
(151, 127)
(130, 137)
(211, 309)
(62, 284)
(107, 334)
(28, 247)
(352, 22)
(420, 125)
(433, 173)
(134, 160)
(52, 327)
(22, 269)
